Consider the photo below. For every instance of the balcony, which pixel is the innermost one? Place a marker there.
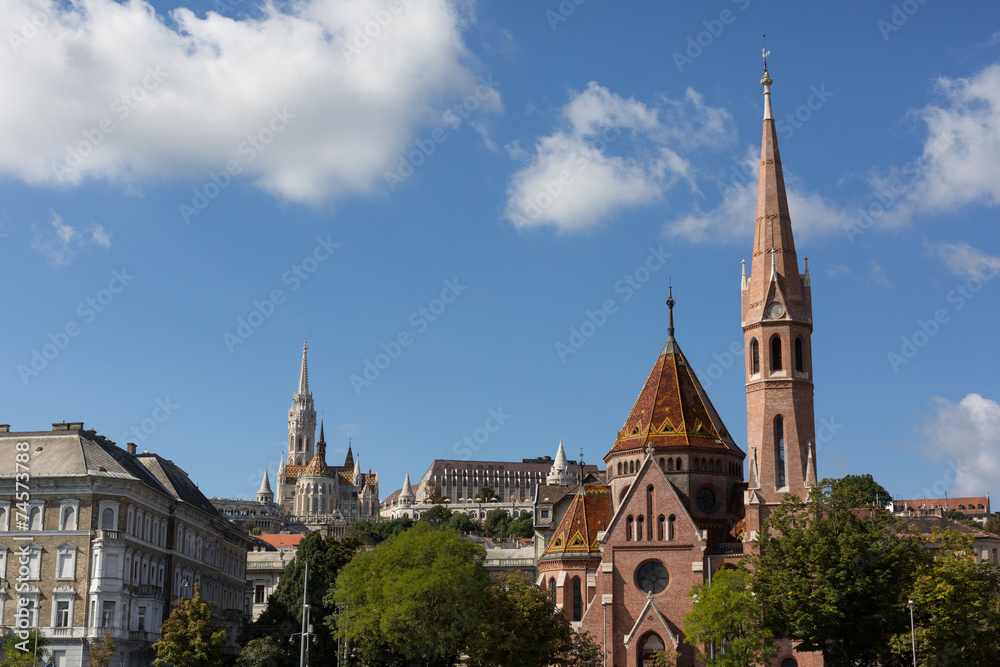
(143, 636)
(726, 549)
(148, 591)
(107, 534)
(62, 633)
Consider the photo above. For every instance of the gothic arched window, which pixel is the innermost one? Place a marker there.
(638, 527)
(776, 353)
(629, 529)
(670, 464)
(680, 464)
(754, 357)
(577, 600)
(661, 524)
(798, 355)
(779, 450)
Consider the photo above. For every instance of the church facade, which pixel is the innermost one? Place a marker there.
(311, 491)
(676, 506)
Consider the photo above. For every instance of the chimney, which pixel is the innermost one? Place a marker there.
(130, 446)
(4, 428)
(68, 426)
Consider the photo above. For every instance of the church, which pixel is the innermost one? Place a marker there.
(676, 507)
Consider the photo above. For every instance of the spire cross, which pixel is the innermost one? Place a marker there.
(670, 305)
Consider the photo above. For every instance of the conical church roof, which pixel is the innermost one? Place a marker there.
(673, 409)
(590, 512)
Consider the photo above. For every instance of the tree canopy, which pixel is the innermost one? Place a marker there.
(518, 626)
(188, 638)
(859, 491)
(728, 614)
(411, 600)
(835, 578)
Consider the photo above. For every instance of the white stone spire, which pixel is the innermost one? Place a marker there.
(560, 472)
(406, 496)
(357, 471)
(265, 495)
(301, 419)
(766, 82)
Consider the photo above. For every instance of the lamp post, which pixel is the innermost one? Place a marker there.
(604, 644)
(305, 634)
(913, 635)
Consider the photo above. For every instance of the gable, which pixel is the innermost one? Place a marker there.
(666, 502)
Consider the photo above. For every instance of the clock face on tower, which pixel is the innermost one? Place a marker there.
(775, 310)
(652, 577)
(705, 499)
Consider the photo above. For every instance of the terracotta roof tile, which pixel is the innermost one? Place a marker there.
(590, 512)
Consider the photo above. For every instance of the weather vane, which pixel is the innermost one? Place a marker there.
(765, 52)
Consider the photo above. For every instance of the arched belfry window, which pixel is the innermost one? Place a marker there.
(799, 366)
(670, 465)
(754, 357)
(775, 353)
(680, 464)
(779, 451)
(577, 599)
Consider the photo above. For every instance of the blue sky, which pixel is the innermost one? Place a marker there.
(510, 168)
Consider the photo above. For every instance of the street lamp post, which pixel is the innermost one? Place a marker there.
(913, 635)
(604, 644)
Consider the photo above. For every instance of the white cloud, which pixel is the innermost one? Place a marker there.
(877, 275)
(960, 161)
(181, 94)
(61, 244)
(609, 154)
(733, 217)
(964, 260)
(968, 436)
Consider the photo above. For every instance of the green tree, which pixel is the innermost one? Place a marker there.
(955, 515)
(188, 638)
(666, 657)
(436, 516)
(583, 652)
(860, 490)
(371, 533)
(19, 652)
(411, 600)
(728, 614)
(522, 526)
(518, 626)
(486, 494)
(283, 615)
(433, 494)
(262, 652)
(463, 523)
(496, 523)
(956, 608)
(102, 650)
(835, 578)
(992, 525)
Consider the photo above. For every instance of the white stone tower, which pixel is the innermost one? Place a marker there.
(301, 419)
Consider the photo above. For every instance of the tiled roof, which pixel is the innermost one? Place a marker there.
(925, 525)
(972, 505)
(673, 410)
(576, 536)
(281, 540)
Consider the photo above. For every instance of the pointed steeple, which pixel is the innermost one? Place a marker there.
(349, 461)
(321, 444)
(357, 471)
(407, 493)
(560, 472)
(304, 373)
(265, 495)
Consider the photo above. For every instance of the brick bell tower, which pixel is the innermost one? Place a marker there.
(777, 330)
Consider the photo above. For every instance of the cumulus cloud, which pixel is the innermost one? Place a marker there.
(608, 154)
(964, 260)
(960, 160)
(967, 435)
(60, 244)
(732, 218)
(98, 89)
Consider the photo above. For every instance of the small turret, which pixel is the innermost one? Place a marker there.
(265, 495)
(406, 496)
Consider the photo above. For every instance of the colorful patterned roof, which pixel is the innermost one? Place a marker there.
(673, 409)
(576, 536)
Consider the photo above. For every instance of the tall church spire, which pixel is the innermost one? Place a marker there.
(301, 419)
(304, 373)
(777, 329)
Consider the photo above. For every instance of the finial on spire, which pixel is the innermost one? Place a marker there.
(670, 305)
(766, 82)
(304, 373)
